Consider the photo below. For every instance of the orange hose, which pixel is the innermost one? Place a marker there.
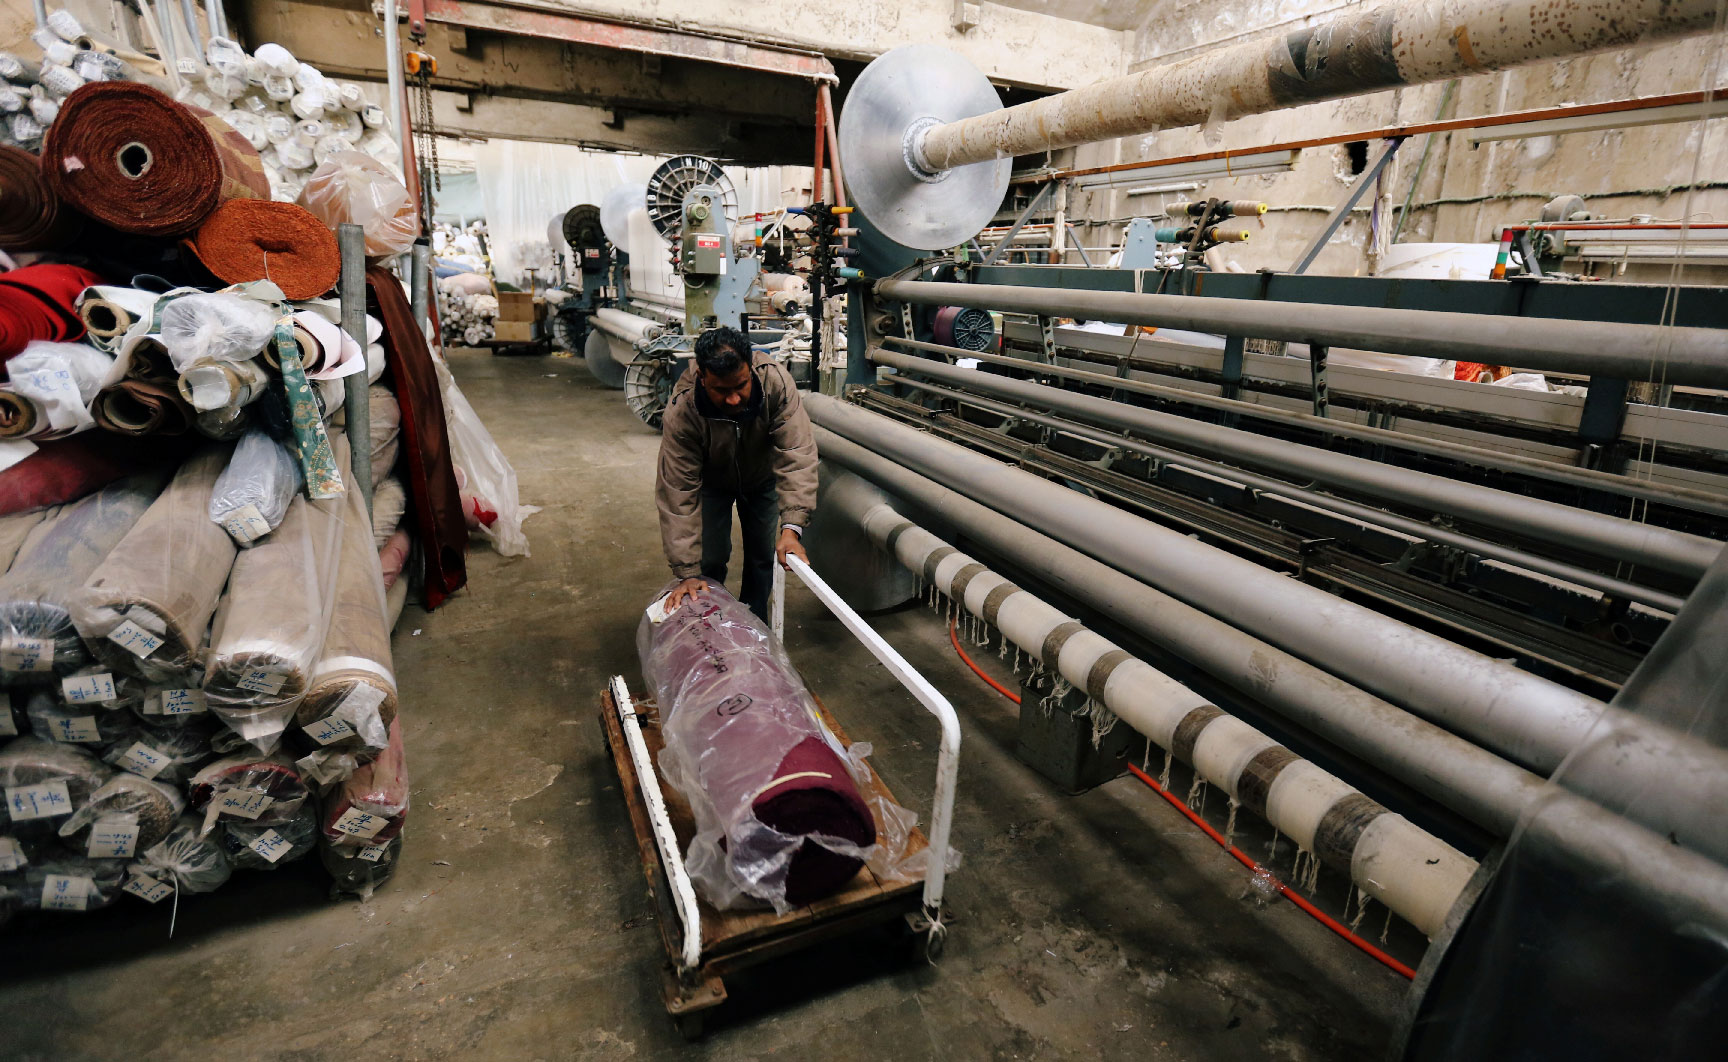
(1241, 857)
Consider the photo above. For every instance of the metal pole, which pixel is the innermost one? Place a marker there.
(215, 18)
(1355, 51)
(192, 31)
(1693, 356)
(420, 284)
(1471, 781)
(1085, 259)
(1589, 479)
(1014, 229)
(1524, 717)
(1342, 210)
(393, 71)
(356, 390)
(1567, 572)
(1599, 534)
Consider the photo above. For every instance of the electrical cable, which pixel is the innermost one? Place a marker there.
(1242, 857)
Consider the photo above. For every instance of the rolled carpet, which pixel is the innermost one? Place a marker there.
(36, 302)
(32, 217)
(163, 579)
(256, 239)
(128, 155)
(779, 819)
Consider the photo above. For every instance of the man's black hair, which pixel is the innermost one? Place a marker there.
(722, 351)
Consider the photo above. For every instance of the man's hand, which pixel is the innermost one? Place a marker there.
(684, 591)
(790, 543)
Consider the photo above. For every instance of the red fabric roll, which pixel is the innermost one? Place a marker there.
(439, 522)
(32, 217)
(67, 469)
(36, 303)
(817, 796)
(255, 239)
(128, 155)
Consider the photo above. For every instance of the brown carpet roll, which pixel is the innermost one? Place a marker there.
(255, 239)
(128, 155)
(165, 577)
(32, 217)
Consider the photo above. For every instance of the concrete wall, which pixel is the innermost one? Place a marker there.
(1464, 194)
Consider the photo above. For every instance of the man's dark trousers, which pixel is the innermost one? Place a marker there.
(758, 517)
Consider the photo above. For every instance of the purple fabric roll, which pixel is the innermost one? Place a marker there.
(779, 818)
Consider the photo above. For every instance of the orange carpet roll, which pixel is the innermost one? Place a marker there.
(256, 239)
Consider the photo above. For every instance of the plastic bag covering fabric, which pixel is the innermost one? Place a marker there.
(251, 846)
(779, 816)
(265, 790)
(163, 580)
(169, 752)
(186, 859)
(61, 380)
(1569, 956)
(271, 624)
(359, 871)
(43, 783)
(148, 807)
(371, 807)
(14, 531)
(218, 326)
(386, 428)
(489, 473)
(64, 470)
(251, 495)
(351, 699)
(389, 502)
(37, 637)
(92, 724)
(69, 883)
(354, 188)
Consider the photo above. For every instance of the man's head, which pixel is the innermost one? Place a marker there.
(723, 367)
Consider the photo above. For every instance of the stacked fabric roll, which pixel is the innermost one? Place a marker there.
(33, 92)
(468, 320)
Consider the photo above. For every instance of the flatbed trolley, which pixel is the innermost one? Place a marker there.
(705, 945)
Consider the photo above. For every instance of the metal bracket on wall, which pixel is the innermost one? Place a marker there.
(906, 321)
(1317, 376)
(1368, 176)
(1047, 336)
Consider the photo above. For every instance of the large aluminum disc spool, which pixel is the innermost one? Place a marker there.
(901, 92)
(582, 227)
(615, 211)
(672, 181)
(597, 355)
(555, 232)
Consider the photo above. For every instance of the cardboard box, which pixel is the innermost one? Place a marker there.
(518, 306)
(516, 331)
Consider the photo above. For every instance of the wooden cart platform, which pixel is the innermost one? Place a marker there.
(737, 940)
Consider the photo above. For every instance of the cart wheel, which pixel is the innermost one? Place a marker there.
(690, 1025)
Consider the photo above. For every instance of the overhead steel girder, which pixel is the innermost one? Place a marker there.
(671, 44)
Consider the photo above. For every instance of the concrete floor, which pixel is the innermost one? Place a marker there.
(518, 926)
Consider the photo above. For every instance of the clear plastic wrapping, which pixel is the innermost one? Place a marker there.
(43, 783)
(90, 710)
(215, 326)
(264, 790)
(37, 636)
(70, 883)
(169, 752)
(146, 609)
(781, 815)
(60, 380)
(262, 846)
(186, 859)
(15, 529)
(251, 495)
(370, 808)
(126, 815)
(389, 503)
(353, 188)
(358, 872)
(272, 621)
(489, 473)
(386, 430)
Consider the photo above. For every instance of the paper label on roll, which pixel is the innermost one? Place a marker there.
(41, 801)
(12, 855)
(63, 892)
(144, 760)
(115, 837)
(260, 680)
(88, 689)
(271, 845)
(242, 803)
(20, 653)
(148, 888)
(357, 823)
(246, 524)
(78, 729)
(657, 611)
(135, 639)
(183, 702)
(328, 730)
(373, 853)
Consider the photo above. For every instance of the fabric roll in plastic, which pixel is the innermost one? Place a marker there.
(129, 156)
(63, 470)
(14, 531)
(389, 504)
(255, 239)
(371, 807)
(44, 782)
(60, 380)
(34, 218)
(109, 312)
(163, 580)
(779, 819)
(37, 637)
(252, 495)
(306, 419)
(428, 471)
(146, 400)
(36, 302)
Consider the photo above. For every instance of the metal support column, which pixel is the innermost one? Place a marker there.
(1234, 347)
(1600, 424)
(1342, 210)
(1014, 229)
(420, 283)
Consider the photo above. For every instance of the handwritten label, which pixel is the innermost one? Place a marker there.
(328, 730)
(144, 760)
(259, 680)
(242, 803)
(41, 801)
(19, 653)
(148, 888)
(113, 838)
(62, 892)
(246, 524)
(79, 729)
(12, 855)
(135, 639)
(183, 702)
(374, 853)
(8, 728)
(88, 689)
(357, 823)
(271, 845)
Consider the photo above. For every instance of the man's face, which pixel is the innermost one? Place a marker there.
(729, 392)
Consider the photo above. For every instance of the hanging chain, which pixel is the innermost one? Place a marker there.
(428, 131)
